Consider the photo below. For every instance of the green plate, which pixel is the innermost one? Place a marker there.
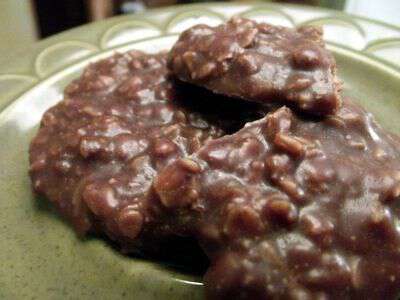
(40, 257)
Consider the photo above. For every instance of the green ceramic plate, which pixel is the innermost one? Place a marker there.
(40, 257)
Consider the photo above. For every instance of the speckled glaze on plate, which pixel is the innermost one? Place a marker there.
(40, 257)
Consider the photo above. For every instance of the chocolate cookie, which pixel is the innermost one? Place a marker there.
(260, 62)
(97, 151)
(294, 208)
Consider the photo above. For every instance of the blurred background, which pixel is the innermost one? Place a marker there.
(25, 21)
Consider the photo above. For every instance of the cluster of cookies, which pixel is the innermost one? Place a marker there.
(238, 138)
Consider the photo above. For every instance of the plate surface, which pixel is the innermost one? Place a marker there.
(40, 256)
